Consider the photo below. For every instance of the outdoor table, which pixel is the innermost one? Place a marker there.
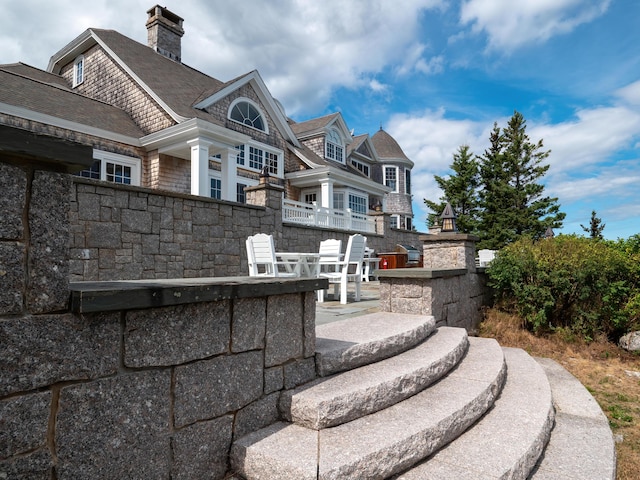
(303, 264)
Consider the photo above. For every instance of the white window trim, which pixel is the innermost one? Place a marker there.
(278, 153)
(384, 180)
(358, 163)
(249, 182)
(397, 221)
(134, 163)
(341, 145)
(214, 174)
(78, 61)
(350, 191)
(407, 172)
(256, 106)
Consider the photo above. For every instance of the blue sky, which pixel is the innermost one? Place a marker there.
(435, 74)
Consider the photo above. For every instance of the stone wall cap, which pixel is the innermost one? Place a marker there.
(136, 294)
(420, 273)
(448, 237)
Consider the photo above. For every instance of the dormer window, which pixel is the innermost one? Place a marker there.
(78, 71)
(247, 113)
(334, 147)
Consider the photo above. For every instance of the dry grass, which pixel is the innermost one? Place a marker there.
(601, 366)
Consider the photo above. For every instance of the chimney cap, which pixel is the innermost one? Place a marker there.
(165, 13)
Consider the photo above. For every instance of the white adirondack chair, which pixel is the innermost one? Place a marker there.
(348, 270)
(261, 255)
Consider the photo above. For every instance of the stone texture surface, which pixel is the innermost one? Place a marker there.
(309, 324)
(249, 324)
(257, 415)
(13, 185)
(12, 277)
(115, 428)
(581, 444)
(201, 450)
(210, 388)
(45, 349)
(354, 342)
(386, 442)
(273, 379)
(260, 454)
(23, 423)
(35, 466)
(178, 334)
(353, 394)
(48, 274)
(525, 401)
(630, 341)
(299, 372)
(284, 335)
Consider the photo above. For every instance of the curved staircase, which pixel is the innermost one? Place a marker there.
(400, 399)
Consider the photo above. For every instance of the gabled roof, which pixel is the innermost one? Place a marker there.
(180, 90)
(29, 97)
(388, 149)
(320, 125)
(358, 142)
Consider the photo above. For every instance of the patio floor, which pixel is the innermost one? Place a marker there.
(331, 310)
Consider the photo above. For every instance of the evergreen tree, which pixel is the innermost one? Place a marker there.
(460, 190)
(595, 227)
(512, 203)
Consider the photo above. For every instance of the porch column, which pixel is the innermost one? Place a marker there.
(326, 193)
(200, 167)
(229, 174)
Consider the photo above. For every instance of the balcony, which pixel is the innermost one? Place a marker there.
(311, 215)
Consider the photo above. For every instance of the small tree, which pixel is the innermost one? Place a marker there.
(460, 190)
(595, 227)
(512, 201)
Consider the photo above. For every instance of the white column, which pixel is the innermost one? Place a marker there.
(326, 193)
(229, 173)
(200, 167)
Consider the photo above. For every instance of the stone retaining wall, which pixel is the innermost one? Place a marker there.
(122, 232)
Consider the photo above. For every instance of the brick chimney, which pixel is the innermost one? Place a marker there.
(164, 31)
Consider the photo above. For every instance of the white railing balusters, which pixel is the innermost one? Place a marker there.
(306, 214)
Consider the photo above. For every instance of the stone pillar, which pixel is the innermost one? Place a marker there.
(265, 195)
(449, 251)
(199, 167)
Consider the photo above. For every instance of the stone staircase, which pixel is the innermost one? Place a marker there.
(401, 399)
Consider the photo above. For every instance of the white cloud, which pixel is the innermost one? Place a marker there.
(592, 137)
(630, 94)
(510, 25)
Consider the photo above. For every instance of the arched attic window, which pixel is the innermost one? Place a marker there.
(245, 112)
(334, 146)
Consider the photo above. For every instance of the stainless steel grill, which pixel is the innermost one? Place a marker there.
(413, 254)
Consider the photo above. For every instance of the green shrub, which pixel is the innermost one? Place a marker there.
(569, 283)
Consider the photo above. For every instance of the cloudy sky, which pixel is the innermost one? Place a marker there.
(435, 74)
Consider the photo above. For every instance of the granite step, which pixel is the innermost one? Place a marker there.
(581, 444)
(343, 397)
(358, 341)
(383, 443)
(508, 441)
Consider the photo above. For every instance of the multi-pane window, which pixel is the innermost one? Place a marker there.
(117, 173)
(111, 167)
(215, 188)
(357, 203)
(259, 158)
(409, 223)
(240, 156)
(240, 194)
(334, 147)
(363, 167)
(394, 221)
(407, 182)
(338, 200)
(310, 198)
(391, 178)
(78, 71)
(247, 114)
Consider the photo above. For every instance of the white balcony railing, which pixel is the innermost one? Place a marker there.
(306, 214)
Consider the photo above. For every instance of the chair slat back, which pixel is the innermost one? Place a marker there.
(330, 252)
(356, 247)
(261, 253)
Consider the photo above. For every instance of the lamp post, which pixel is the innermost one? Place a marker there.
(448, 218)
